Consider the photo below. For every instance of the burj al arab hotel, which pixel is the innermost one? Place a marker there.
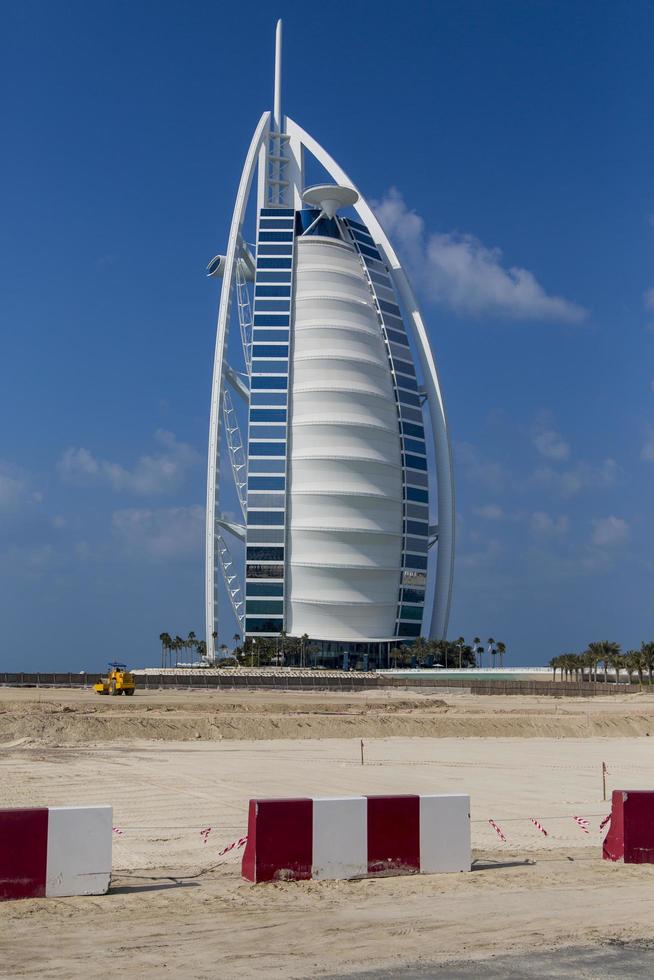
(331, 420)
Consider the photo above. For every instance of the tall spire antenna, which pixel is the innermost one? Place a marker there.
(277, 106)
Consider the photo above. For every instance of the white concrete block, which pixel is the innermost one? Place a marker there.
(79, 850)
(340, 837)
(444, 834)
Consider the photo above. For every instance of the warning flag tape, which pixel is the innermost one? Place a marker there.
(204, 834)
(583, 823)
(234, 844)
(538, 826)
(117, 831)
(497, 831)
(604, 822)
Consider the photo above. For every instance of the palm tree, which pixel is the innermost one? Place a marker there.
(501, 649)
(179, 645)
(165, 644)
(459, 644)
(634, 664)
(647, 653)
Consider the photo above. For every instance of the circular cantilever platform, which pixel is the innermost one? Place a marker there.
(329, 197)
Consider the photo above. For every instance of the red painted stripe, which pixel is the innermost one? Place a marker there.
(23, 853)
(280, 840)
(393, 834)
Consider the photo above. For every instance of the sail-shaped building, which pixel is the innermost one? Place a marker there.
(347, 441)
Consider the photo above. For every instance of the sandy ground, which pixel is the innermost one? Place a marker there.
(178, 909)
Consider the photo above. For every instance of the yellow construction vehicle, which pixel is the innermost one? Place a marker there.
(118, 681)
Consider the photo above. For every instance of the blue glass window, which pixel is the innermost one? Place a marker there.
(411, 612)
(415, 414)
(273, 291)
(266, 483)
(389, 308)
(268, 335)
(268, 398)
(417, 545)
(264, 571)
(266, 320)
(267, 432)
(356, 224)
(265, 381)
(266, 249)
(418, 512)
(413, 493)
(414, 445)
(409, 629)
(409, 398)
(268, 415)
(402, 366)
(265, 518)
(267, 588)
(266, 535)
(263, 465)
(268, 350)
(257, 625)
(273, 263)
(363, 236)
(269, 367)
(417, 527)
(415, 462)
(410, 429)
(271, 606)
(277, 212)
(266, 554)
(275, 236)
(273, 277)
(267, 449)
(274, 223)
(413, 561)
(325, 226)
(396, 336)
(409, 595)
(371, 252)
(271, 305)
(404, 381)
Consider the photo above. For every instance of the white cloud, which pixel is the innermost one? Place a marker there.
(479, 470)
(11, 492)
(162, 534)
(460, 272)
(609, 531)
(581, 476)
(647, 452)
(544, 525)
(490, 512)
(160, 473)
(547, 441)
(648, 299)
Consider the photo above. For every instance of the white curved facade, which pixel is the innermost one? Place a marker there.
(344, 516)
(324, 422)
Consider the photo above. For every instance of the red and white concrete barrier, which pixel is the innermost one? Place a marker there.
(55, 851)
(630, 837)
(352, 837)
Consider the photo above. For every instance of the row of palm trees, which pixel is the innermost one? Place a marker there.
(175, 645)
(605, 655)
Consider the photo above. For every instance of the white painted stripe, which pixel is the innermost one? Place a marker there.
(79, 850)
(340, 837)
(444, 834)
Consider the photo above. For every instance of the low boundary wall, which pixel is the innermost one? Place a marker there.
(328, 838)
(347, 682)
(57, 851)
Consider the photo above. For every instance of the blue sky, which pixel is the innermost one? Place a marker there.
(510, 149)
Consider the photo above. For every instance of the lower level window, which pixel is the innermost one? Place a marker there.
(259, 624)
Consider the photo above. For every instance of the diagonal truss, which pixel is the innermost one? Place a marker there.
(237, 455)
(232, 582)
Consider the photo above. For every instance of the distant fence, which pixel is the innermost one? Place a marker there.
(347, 682)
